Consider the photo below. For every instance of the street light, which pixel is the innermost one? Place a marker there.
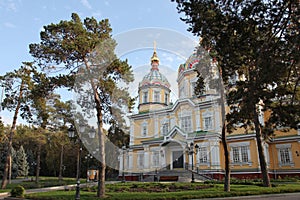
(88, 157)
(71, 134)
(191, 150)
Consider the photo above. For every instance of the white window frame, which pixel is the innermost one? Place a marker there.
(240, 153)
(207, 115)
(166, 97)
(156, 96)
(165, 128)
(155, 159)
(285, 157)
(186, 123)
(208, 123)
(236, 154)
(145, 98)
(140, 160)
(203, 155)
(193, 85)
(144, 129)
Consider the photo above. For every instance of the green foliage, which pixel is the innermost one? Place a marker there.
(260, 45)
(17, 191)
(189, 191)
(200, 85)
(21, 159)
(259, 42)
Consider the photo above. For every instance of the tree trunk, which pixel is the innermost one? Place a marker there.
(8, 164)
(227, 161)
(60, 177)
(262, 158)
(102, 165)
(38, 163)
(224, 139)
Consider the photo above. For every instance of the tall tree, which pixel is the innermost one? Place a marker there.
(22, 163)
(259, 40)
(86, 48)
(207, 67)
(17, 86)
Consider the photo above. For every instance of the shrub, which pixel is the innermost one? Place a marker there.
(17, 191)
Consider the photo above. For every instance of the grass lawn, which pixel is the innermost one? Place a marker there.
(168, 191)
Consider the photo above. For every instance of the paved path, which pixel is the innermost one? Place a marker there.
(55, 188)
(282, 196)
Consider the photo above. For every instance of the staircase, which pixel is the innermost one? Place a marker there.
(183, 175)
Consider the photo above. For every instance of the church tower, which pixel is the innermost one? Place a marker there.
(154, 89)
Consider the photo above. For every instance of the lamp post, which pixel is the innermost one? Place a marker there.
(88, 157)
(191, 150)
(71, 134)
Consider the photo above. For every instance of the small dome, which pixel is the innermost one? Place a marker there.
(154, 77)
(189, 64)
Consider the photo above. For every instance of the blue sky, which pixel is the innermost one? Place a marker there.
(22, 20)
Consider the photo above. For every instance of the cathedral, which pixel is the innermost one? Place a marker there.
(186, 134)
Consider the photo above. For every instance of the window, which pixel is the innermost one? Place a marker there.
(155, 159)
(144, 131)
(165, 128)
(207, 123)
(186, 123)
(193, 85)
(166, 98)
(284, 156)
(203, 155)
(244, 153)
(140, 161)
(236, 155)
(156, 96)
(181, 91)
(145, 97)
(240, 154)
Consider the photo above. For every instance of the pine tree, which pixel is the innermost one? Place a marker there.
(14, 164)
(16, 85)
(88, 49)
(31, 162)
(260, 41)
(21, 158)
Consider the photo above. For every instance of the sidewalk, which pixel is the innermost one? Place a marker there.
(54, 188)
(280, 196)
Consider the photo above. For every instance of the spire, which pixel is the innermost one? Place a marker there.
(154, 56)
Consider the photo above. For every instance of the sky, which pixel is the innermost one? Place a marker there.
(22, 20)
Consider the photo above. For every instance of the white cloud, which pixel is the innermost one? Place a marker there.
(9, 5)
(9, 25)
(86, 4)
(97, 14)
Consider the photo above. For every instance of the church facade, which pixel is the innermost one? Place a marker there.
(186, 134)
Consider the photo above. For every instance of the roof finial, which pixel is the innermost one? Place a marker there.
(154, 56)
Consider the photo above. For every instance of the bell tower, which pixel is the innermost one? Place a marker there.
(154, 89)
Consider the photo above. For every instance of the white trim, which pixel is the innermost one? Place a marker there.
(238, 144)
(280, 146)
